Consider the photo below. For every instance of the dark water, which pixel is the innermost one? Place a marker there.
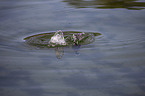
(113, 65)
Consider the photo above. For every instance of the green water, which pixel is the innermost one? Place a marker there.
(112, 65)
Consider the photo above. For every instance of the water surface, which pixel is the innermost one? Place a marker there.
(112, 65)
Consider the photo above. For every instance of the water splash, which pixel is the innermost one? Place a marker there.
(57, 39)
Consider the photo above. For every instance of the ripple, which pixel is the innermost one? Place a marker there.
(71, 37)
(95, 43)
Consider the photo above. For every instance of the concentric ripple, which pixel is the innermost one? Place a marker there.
(71, 38)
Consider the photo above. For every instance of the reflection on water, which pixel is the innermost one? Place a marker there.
(60, 39)
(107, 4)
(59, 52)
(111, 65)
